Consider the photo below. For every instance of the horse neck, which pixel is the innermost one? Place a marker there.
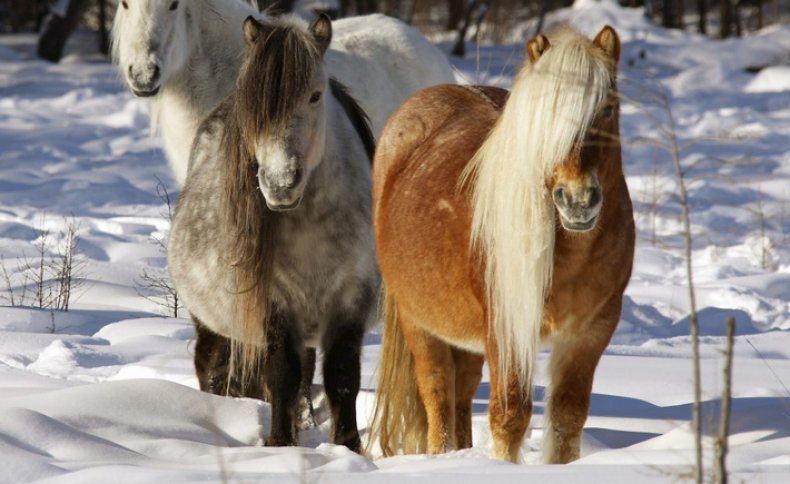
(216, 45)
(208, 76)
(221, 21)
(344, 160)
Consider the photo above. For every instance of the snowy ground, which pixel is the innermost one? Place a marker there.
(106, 390)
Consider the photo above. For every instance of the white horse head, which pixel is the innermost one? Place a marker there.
(286, 123)
(150, 42)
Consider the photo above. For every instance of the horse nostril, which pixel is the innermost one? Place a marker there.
(561, 197)
(593, 197)
(295, 179)
(130, 70)
(155, 75)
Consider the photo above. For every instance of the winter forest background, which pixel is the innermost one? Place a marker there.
(96, 377)
(494, 21)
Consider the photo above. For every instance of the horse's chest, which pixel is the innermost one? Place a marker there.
(586, 277)
(317, 269)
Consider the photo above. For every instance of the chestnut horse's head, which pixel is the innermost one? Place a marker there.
(550, 155)
(575, 183)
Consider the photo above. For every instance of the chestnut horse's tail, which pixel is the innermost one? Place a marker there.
(399, 420)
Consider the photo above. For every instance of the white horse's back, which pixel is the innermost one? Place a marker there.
(384, 61)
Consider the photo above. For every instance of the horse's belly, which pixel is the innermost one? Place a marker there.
(204, 285)
(432, 288)
(423, 251)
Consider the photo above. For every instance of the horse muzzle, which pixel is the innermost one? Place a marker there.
(285, 206)
(144, 82)
(578, 207)
(284, 191)
(148, 93)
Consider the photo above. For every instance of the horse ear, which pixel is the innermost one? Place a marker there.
(252, 30)
(321, 28)
(608, 40)
(536, 47)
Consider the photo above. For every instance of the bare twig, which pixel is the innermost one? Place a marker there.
(722, 445)
(7, 281)
(68, 267)
(696, 420)
(157, 288)
(39, 273)
(154, 284)
(764, 360)
(668, 141)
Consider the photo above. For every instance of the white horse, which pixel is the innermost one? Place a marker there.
(185, 57)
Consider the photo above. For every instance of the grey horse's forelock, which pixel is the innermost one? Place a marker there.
(275, 75)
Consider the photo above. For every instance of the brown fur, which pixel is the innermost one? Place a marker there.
(436, 296)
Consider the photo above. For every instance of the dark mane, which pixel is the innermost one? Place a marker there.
(357, 115)
(274, 76)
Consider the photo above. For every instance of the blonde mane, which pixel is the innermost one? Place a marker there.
(551, 106)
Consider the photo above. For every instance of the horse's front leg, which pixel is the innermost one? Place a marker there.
(282, 363)
(509, 410)
(574, 357)
(342, 347)
(306, 409)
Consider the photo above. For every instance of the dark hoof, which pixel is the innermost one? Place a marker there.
(279, 442)
(355, 445)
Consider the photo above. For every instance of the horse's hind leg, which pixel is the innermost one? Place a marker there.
(468, 373)
(282, 363)
(212, 357)
(434, 369)
(342, 348)
(212, 367)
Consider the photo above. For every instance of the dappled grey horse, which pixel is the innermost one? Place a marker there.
(271, 244)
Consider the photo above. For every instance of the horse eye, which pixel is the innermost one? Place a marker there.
(125, 5)
(173, 5)
(608, 112)
(315, 97)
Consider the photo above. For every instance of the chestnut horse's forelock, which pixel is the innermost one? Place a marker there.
(551, 107)
(274, 77)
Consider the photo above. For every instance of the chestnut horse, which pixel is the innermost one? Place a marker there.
(468, 186)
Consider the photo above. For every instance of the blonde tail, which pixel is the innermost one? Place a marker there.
(399, 420)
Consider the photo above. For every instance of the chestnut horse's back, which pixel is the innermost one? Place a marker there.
(421, 116)
(428, 142)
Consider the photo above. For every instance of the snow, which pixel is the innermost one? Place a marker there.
(106, 391)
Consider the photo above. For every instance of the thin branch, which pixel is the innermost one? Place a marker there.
(722, 444)
(7, 280)
(153, 286)
(696, 421)
(763, 358)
